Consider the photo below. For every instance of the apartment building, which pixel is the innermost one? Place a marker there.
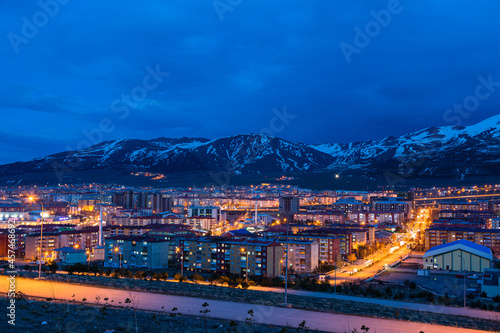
(441, 235)
(349, 205)
(50, 241)
(201, 223)
(322, 217)
(136, 251)
(205, 211)
(255, 257)
(370, 217)
(462, 205)
(303, 255)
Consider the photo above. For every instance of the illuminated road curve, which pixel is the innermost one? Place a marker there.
(457, 311)
(458, 197)
(327, 322)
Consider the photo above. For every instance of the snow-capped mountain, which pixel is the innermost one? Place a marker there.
(447, 152)
(252, 153)
(455, 151)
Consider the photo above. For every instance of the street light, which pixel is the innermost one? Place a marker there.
(41, 240)
(335, 287)
(286, 263)
(182, 259)
(119, 255)
(463, 269)
(246, 266)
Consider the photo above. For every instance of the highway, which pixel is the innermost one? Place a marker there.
(458, 197)
(370, 271)
(326, 322)
(450, 310)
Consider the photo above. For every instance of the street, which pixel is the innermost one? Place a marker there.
(327, 322)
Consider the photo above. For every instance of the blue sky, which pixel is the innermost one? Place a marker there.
(68, 68)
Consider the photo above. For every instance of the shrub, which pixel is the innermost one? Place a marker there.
(196, 277)
(399, 296)
(224, 280)
(388, 291)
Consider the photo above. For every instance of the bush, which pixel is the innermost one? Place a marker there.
(233, 284)
(224, 280)
(399, 296)
(496, 299)
(197, 277)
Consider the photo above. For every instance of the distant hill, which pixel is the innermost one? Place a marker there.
(449, 154)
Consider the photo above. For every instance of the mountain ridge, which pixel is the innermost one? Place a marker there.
(452, 152)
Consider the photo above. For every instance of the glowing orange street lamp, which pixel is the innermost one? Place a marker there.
(178, 249)
(32, 199)
(246, 266)
(116, 249)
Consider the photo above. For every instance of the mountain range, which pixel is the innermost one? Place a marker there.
(451, 153)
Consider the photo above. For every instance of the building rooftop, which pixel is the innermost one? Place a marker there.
(68, 249)
(461, 244)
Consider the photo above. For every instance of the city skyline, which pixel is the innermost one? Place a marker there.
(344, 73)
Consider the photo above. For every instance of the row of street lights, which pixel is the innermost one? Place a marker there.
(32, 199)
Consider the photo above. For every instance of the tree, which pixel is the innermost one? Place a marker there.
(224, 279)
(351, 258)
(52, 266)
(180, 278)
(94, 268)
(196, 277)
(205, 312)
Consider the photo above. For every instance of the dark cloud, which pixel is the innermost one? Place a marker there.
(225, 77)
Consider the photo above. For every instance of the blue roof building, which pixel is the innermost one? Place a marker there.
(460, 255)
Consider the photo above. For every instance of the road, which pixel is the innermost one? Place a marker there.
(459, 197)
(327, 322)
(396, 304)
(367, 272)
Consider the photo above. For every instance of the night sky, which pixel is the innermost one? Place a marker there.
(344, 72)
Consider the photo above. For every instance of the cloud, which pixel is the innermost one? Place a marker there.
(227, 76)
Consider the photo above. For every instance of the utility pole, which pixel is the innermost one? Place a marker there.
(335, 287)
(463, 270)
(286, 264)
(100, 224)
